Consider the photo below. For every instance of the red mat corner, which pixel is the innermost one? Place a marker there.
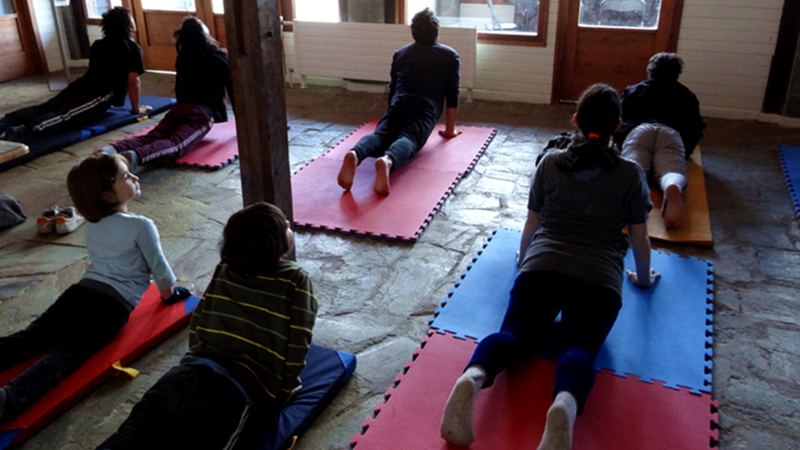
(620, 412)
(150, 323)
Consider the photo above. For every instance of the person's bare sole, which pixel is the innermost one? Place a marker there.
(383, 167)
(348, 171)
(673, 206)
(456, 425)
(558, 430)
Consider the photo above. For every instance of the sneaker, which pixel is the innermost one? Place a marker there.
(46, 223)
(68, 220)
(134, 160)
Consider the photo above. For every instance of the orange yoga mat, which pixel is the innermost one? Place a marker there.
(696, 225)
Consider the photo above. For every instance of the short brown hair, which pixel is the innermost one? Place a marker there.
(665, 66)
(254, 240)
(89, 180)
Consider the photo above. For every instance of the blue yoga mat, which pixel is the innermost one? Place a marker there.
(115, 117)
(790, 160)
(663, 333)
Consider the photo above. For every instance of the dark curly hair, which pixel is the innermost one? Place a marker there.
(425, 27)
(254, 240)
(117, 22)
(193, 36)
(665, 66)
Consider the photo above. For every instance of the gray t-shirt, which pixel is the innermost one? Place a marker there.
(125, 250)
(582, 215)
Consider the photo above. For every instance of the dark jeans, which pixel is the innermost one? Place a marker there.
(69, 109)
(401, 132)
(76, 326)
(190, 407)
(588, 312)
(179, 131)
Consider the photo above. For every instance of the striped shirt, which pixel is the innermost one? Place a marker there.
(259, 328)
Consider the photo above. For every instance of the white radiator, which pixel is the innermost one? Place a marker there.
(363, 51)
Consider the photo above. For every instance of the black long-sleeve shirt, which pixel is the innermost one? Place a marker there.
(202, 78)
(666, 102)
(432, 72)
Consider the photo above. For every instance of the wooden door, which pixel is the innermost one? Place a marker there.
(610, 41)
(19, 54)
(158, 19)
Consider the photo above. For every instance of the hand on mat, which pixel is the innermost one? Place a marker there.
(178, 293)
(447, 135)
(643, 283)
(142, 110)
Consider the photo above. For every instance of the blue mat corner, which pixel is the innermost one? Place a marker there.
(790, 162)
(663, 333)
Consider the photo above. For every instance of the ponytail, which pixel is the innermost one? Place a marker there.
(597, 117)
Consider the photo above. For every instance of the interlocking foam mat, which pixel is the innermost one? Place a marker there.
(150, 323)
(621, 413)
(217, 149)
(790, 161)
(324, 375)
(663, 333)
(695, 228)
(115, 117)
(418, 187)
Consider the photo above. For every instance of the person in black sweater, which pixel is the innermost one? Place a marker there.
(661, 125)
(114, 68)
(424, 74)
(203, 75)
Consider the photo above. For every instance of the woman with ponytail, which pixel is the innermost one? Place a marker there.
(571, 262)
(203, 75)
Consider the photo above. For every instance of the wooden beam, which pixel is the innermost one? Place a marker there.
(253, 30)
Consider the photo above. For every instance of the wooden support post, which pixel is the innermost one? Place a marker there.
(253, 31)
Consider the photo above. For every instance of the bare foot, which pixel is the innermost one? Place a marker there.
(456, 425)
(673, 206)
(348, 170)
(560, 419)
(383, 166)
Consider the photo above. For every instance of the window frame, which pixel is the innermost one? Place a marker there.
(97, 20)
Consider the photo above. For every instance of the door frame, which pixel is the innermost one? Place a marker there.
(562, 38)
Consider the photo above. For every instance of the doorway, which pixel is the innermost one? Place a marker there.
(158, 19)
(610, 41)
(19, 54)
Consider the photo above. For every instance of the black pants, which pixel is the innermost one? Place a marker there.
(588, 312)
(190, 407)
(401, 132)
(76, 326)
(70, 108)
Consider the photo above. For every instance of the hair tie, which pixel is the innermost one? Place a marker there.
(594, 136)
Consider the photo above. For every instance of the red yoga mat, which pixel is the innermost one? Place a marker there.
(621, 413)
(419, 187)
(150, 323)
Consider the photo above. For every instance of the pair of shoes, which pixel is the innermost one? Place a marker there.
(62, 221)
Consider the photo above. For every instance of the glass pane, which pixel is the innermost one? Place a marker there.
(519, 16)
(96, 8)
(317, 10)
(620, 13)
(218, 6)
(169, 5)
(6, 7)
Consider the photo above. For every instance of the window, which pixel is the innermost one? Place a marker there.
(317, 10)
(515, 22)
(218, 6)
(620, 13)
(96, 8)
(169, 5)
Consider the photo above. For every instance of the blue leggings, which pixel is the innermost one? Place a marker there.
(401, 132)
(588, 312)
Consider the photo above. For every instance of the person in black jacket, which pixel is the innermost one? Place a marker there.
(424, 74)
(203, 75)
(114, 68)
(661, 125)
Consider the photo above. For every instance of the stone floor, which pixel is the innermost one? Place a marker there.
(376, 297)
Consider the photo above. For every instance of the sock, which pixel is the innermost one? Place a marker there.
(107, 149)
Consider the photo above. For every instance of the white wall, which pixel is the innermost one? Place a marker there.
(727, 46)
(47, 32)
